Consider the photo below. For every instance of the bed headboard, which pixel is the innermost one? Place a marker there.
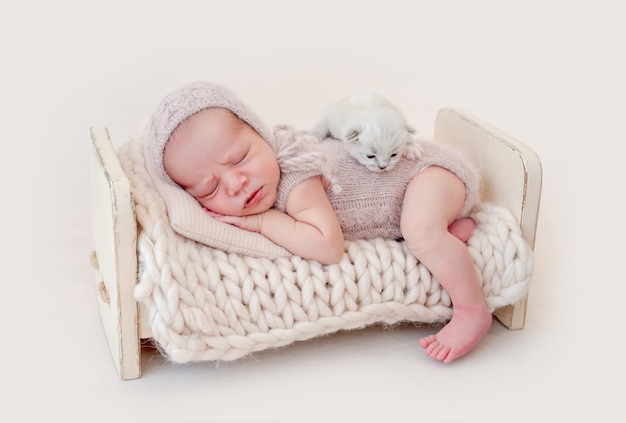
(115, 253)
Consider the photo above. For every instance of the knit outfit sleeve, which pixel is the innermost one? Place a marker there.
(299, 158)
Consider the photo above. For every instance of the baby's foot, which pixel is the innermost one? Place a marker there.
(462, 228)
(466, 328)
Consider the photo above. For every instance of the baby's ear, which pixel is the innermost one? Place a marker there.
(352, 135)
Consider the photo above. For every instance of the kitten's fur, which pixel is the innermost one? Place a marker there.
(375, 131)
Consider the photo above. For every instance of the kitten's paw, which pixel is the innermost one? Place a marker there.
(413, 151)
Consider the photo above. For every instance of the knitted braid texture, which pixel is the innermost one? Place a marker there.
(204, 304)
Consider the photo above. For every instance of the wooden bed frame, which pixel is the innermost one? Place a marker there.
(511, 171)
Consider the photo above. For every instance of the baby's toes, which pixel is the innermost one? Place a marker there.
(427, 340)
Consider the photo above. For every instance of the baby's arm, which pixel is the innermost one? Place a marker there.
(309, 229)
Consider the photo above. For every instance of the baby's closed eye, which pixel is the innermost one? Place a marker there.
(210, 192)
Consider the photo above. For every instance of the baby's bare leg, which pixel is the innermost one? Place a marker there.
(432, 201)
(462, 228)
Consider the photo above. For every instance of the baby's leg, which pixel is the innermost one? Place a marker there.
(462, 228)
(432, 201)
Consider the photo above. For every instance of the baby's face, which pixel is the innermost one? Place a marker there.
(223, 163)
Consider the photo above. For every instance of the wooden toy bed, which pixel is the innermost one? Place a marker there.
(198, 303)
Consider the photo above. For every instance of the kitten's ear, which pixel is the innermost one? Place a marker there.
(352, 135)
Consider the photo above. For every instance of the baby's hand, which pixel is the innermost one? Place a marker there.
(249, 223)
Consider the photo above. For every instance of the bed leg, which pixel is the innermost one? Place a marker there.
(513, 316)
(120, 324)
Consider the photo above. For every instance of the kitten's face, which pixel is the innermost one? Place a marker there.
(376, 152)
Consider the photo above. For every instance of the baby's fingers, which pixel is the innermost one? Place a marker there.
(231, 220)
(246, 222)
(212, 213)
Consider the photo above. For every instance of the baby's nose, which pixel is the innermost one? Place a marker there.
(235, 182)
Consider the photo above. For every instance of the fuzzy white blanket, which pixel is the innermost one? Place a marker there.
(207, 304)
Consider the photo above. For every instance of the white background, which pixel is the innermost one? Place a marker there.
(548, 73)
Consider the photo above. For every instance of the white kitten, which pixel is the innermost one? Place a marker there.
(375, 131)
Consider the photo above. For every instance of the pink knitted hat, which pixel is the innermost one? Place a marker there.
(183, 102)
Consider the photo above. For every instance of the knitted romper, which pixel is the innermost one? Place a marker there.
(368, 204)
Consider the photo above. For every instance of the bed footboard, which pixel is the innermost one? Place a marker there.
(512, 178)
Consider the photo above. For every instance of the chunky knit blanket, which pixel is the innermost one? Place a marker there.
(206, 304)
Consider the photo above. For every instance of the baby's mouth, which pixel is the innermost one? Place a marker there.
(254, 198)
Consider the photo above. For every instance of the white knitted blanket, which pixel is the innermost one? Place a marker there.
(205, 304)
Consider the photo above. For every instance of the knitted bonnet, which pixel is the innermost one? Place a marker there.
(180, 104)
(186, 216)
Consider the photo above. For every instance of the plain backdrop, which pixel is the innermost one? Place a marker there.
(549, 73)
